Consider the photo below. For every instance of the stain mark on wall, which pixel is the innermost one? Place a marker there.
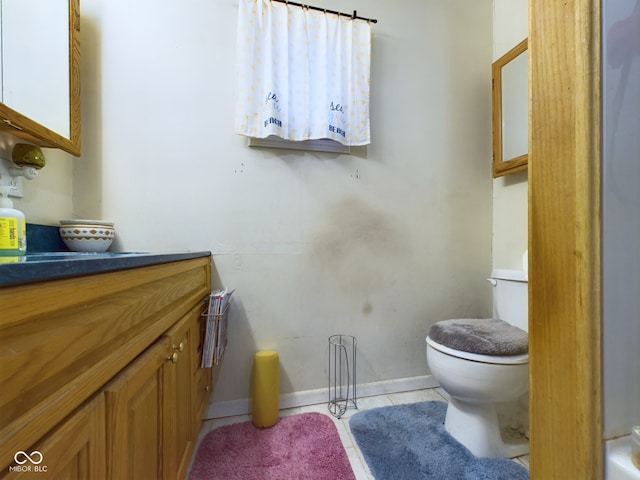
(354, 244)
(367, 308)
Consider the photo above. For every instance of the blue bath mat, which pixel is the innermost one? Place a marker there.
(409, 442)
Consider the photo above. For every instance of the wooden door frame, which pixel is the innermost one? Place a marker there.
(564, 240)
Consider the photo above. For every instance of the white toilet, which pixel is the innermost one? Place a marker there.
(483, 365)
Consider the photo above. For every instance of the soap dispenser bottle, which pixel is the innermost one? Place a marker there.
(13, 227)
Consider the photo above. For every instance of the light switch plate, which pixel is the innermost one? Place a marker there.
(7, 180)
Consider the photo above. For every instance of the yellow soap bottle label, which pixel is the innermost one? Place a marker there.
(9, 239)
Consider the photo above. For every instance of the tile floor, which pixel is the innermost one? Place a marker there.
(355, 456)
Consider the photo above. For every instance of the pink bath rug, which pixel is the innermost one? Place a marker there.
(298, 447)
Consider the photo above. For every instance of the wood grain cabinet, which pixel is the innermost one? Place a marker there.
(113, 385)
(73, 450)
(135, 417)
(182, 394)
(151, 422)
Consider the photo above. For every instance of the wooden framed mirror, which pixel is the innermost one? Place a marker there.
(40, 67)
(510, 74)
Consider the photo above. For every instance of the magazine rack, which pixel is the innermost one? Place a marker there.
(215, 338)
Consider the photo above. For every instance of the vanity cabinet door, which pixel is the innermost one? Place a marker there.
(135, 411)
(40, 72)
(180, 417)
(151, 424)
(73, 450)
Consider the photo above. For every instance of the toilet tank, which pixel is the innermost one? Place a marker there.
(510, 297)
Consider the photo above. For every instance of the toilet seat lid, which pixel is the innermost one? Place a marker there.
(484, 336)
(475, 357)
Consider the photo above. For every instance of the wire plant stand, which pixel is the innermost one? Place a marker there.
(342, 374)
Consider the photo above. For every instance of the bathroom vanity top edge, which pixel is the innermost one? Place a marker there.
(40, 267)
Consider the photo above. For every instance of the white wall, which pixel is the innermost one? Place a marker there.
(510, 229)
(378, 244)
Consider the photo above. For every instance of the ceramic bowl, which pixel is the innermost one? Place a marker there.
(87, 235)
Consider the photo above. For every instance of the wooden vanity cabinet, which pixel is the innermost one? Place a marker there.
(117, 355)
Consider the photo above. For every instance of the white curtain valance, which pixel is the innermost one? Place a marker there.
(301, 74)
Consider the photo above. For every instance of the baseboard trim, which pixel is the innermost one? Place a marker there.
(242, 406)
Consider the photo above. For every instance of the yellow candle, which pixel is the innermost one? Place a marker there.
(265, 388)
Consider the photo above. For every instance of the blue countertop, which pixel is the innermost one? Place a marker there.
(38, 267)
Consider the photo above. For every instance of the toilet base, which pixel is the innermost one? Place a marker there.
(476, 426)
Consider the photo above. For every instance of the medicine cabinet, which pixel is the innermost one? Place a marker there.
(40, 72)
(510, 83)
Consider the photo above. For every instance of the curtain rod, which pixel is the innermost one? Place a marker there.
(311, 7)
